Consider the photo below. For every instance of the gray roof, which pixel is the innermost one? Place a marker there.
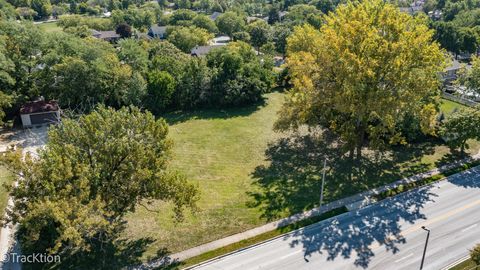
(105, 34)
(204, 50)
(158, 30)
(215, 15)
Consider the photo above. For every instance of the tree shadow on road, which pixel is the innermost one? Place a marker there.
(365, 230)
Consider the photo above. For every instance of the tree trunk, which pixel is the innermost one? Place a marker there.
(361, 139)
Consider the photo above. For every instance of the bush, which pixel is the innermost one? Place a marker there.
(475, 254)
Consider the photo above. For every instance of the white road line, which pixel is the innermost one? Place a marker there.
(470, 227)
(406, 257)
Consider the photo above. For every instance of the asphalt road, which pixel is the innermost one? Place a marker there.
(385, 235)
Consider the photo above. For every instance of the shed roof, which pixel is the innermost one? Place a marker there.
(39, 106)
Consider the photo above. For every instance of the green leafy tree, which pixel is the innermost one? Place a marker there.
(74, 196)
(259, 33)
(240, 77)
(202, 21)
(473, 75)
(459, 127)
(194, 84)
(325, 6)
(160, 89)
(273, 14)
(42, 7)
(124, 30)
(7, 11)
(5, 102)
(241, 36)
(280, 34)
(229, 23)
(475, 254)
(133, 54)
(301, 14)
(185, 38)
(23, 45)
(361, 73)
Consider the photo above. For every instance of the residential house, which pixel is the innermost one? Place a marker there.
(215, 15)
(110, 36)
(220, 40)
(156, 31)
(204, 50)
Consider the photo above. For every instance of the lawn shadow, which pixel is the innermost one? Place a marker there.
(358, 234)
(182, 116)
(290, 182)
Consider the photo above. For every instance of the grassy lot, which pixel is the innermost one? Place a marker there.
(49, 27)
(5, 178)
(248, 174)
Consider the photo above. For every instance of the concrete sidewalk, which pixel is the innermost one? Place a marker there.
(359, 200)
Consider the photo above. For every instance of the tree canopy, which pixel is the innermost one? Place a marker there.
(92, 172)
(361, 73)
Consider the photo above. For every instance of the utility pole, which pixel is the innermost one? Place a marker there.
(323, 182)
(425, 249)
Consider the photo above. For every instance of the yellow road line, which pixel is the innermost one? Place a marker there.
(428, 222)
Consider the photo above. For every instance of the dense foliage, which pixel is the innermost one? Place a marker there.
(461, 126)
(362, 73)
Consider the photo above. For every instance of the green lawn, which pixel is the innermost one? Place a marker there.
(5, 178)
(248, 174)
(49, 27)
(447, 106)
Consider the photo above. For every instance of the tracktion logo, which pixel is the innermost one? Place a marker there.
(31, 258)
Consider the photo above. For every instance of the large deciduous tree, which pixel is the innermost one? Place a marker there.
(73, 197)
(229, 23)
(358, 75)
(185, 38)
(461, 126)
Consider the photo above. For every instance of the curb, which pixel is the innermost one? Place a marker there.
(259, 243)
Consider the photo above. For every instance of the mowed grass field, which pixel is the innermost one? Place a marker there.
(248, 174)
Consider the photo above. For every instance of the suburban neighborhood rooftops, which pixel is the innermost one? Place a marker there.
(39, 106)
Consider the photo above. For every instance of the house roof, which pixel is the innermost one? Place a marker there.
(39, 106)
(215, 15)
(220, 40)
(158, 30)
(105, 34)
(204, 50)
